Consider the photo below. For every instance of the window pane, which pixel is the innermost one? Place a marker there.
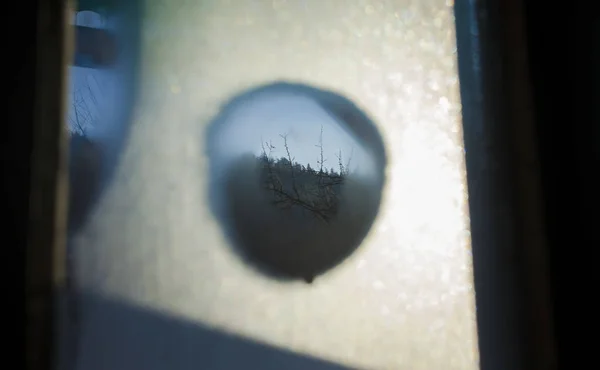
(161, 281)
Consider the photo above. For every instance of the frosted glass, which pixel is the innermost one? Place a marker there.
(403, 300)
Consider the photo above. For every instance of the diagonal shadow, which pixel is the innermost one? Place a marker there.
(116, 335)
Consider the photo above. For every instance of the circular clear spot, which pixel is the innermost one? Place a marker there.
(296, 175)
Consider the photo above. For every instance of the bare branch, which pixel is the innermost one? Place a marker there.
(291, 160)
(77, 123)
(273, 180)
(340, 162)
(85, 104)
(322, 160)
(349, 160)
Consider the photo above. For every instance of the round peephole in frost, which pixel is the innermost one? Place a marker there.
(296, 177)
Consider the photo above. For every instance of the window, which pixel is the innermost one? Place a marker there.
(159, 287)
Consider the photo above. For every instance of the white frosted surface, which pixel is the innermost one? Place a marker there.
(405, 300)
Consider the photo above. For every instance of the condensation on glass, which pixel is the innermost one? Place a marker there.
(155, 259)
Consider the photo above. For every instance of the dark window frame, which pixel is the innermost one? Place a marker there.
(501, 138)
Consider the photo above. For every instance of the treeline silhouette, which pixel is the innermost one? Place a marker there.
(292, 184)
(291, 220)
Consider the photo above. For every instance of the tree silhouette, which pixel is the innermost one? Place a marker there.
(293, 185)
